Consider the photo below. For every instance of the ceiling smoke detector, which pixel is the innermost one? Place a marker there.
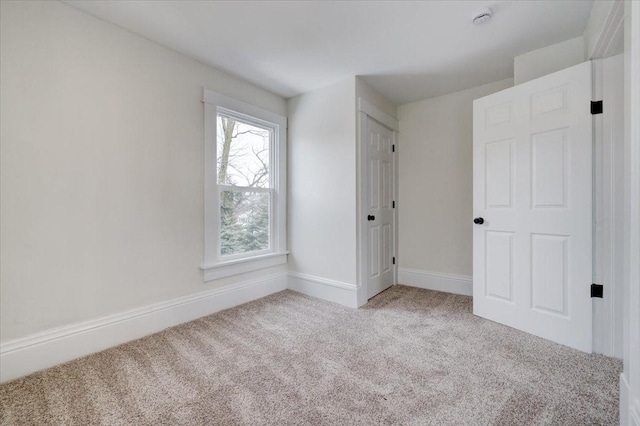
(482, 15)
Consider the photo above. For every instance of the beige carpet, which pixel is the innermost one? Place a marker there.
(412, 356)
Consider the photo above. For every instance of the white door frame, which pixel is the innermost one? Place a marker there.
(608, 194)
(630, 378)
(624, 16)
(365, 109)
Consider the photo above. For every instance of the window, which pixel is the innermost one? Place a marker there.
(245, 187)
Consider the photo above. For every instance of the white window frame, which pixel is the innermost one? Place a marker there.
(215, 266)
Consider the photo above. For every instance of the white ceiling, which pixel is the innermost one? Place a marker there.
(407, 50)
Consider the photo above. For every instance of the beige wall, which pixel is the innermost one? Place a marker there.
(549, 59)
(101, 168)
(322, 182)
(435, 182)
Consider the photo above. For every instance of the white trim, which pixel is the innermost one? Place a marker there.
(608, 194)
(396, 210)
(612, 32)
(52, 347)
(634, 413)
(239, 266)
(323, 281)
(613, 197)
(600, 307)
(630, 408)
(213, 98)
(368, 110)
(334, 291)
(361, 209)
(243, 188)
(213, 103)
(624, 400)
(378, 115)
(439, 281)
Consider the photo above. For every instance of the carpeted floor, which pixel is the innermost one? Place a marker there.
(411, 357)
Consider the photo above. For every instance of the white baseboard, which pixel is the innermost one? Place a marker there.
(634, 413)
(629, 410)
(449, 283)
(624, 401)
(333, 291)
(46, 349)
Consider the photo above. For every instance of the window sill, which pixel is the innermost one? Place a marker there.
(234, 267)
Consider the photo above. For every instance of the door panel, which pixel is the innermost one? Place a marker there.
(532, 151)
(499, 173)
(499, 265)
(374, 183)
(549, 164)
(386, 248)
(386, 184)
(549, 273)
(374, 259)
(548, 101)
(380, 206)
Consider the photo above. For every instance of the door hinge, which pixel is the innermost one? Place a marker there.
(393, 204)
(597, 290)
(393, 148)
(394, 260)
(596, 107)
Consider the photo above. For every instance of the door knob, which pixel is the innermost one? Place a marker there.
(371, 217)
(478, 221)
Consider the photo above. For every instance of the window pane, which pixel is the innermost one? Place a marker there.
(243, 153)
(244, 222)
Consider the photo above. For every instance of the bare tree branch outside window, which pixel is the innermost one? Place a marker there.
(243, 161)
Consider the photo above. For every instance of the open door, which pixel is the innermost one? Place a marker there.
(380, 235)
(532, 200)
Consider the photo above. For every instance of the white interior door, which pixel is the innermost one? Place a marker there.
(532, 187)
(379, 201)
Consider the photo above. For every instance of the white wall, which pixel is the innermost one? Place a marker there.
(102, 168)
(322, 183)
(436, 179)
(549, 59)
(324, 190)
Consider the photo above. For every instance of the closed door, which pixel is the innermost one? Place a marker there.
(532, 239)
(379, 145)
